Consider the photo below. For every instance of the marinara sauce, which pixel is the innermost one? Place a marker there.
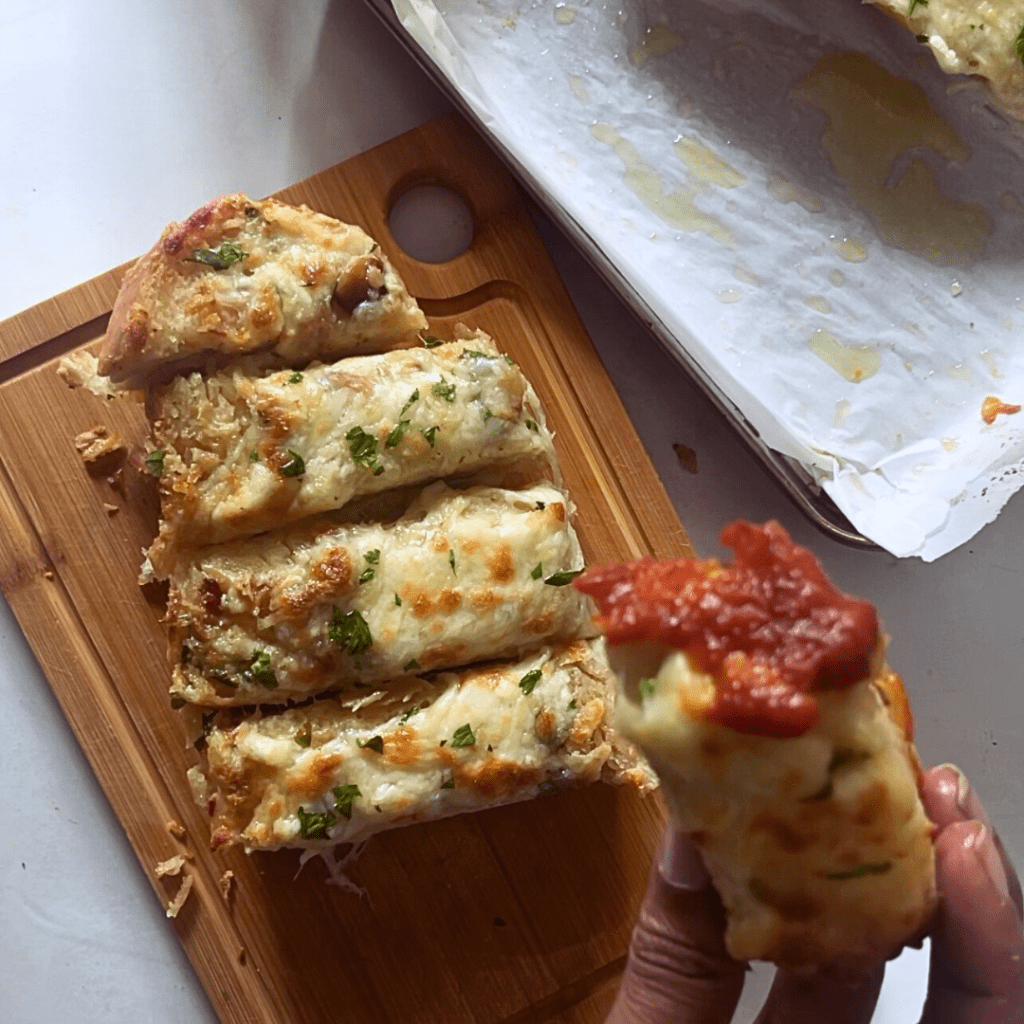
(771, 629)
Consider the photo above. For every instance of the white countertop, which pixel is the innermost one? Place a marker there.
(119, 117)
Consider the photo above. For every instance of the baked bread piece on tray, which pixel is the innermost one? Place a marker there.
(462, 576)
(244, 452)
(784, 745)
(972, 37)
(245, 275)
(339, 771)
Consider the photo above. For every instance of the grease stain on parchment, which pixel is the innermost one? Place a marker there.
(657, 41)
(855, 363)
(785, 191)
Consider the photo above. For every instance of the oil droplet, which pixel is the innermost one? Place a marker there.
(741, 273)
(854, 363)
(853, 250)
(819, 302)
(729, 295)
(955, 289)
(706, 165)
(657, 41)
(676, 208)
(1011, 203)
(993, 407)
(564, 14)
(842, 411)
(960, 371)
(950, 444)
(837, 278)
(801, 269)
(579, 90)
(786, 192)
(873, 119)
(915, 329)
(991, 365)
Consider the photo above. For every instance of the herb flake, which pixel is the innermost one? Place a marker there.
(560, 579)
(362, 447)
(414, 397)
(432, 341)
(397, 434)
(304, 736)
(295, 466)
(295, 378)
(861, 870)
(344, 797)
(430, 433)
(444, 390)
(374, 743)
(451, 561)
(463, 736)
(260, 670)
(373, 560)
(530, 680)
(220, 258)
(315, 825)
(350, 631)
(155, 461)
(537, 571)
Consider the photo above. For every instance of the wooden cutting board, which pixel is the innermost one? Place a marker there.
(520, 914)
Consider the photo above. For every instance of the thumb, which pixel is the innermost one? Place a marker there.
(678, 969)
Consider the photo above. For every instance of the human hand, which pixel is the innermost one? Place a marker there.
(678, 970)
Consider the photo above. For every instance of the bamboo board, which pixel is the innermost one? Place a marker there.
(511, 916)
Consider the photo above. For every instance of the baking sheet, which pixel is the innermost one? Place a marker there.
(691, 143)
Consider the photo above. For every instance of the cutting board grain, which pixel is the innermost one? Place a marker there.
(520, 914)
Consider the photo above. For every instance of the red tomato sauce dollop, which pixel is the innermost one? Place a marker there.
(771, 629)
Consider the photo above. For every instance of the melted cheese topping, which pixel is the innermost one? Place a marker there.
(973, 37)
(819, 845)
(421, 414)
(261, 771)
(453, 581)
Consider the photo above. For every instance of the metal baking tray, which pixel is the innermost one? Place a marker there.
(794, 479)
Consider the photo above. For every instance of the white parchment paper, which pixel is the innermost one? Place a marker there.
(613, 108)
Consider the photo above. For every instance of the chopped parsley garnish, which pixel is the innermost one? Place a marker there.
(861, 870)
(350, 631)
(648, 687)
(414, 397)
(414, 710)
(411, 666)
(572, 704)
(295, 378)
(220, 258)
(430, 433)
(254, 456)
(532, 425)
(448, 783)
(432, 341)
(378, 471)
(373, 560)
(344, 797)
(155, 461)
(374, 743)
(560, 579)
(304, 736)
(537, 571)
(914, 4)
(463, 736)
(444, 390)
(398, 601)
(475, 353)
(921, 37)
(295, 466)
(260, 670)
(362, 447)
(313, 825)
(530, 680)
(451, 560)
(1019, 44)
(397, 434)
(488, 415)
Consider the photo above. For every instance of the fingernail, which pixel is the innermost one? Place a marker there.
(967, 800)
(981, 843)
(680, 863)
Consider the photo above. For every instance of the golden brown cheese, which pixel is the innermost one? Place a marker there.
(339, 771)
(461, 576)
(247, 452)
(819, 846)
(973, 37)
(243, 275)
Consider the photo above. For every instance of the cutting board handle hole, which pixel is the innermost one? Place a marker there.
(432, 223)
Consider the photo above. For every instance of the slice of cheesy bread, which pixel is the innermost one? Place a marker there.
(339, 771)
(784, 745)
(462, 576)
(245, 452)
(818, 845)
(243, 275)
(972, 37)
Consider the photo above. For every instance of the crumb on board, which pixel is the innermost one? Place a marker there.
(97, 443)
(180, 896)
(111, 510)
(48, 574)
(226, 883)
(81, 370)
(241, 955)
(176, 829)
(171, 866)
